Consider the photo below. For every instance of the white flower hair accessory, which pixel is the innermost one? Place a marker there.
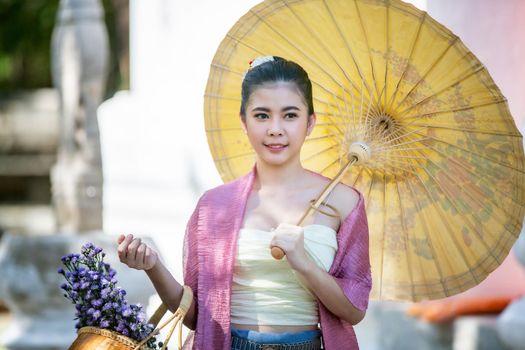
(257, 62)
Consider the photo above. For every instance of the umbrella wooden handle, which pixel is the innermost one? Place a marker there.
(277, 252)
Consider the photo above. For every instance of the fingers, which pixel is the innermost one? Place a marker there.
(122, 249)
(287, 237)
(135, 254)
(141, 250)
(132, 249)
(120, 239)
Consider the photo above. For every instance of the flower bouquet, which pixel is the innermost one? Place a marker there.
(105, 320)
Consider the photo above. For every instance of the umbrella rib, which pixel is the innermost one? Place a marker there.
(428, 98)
(383, 233)
(359, 174)
(405, 236)
(311, 156)
(368, 46)
(412, 89)
(321, 137)
(459, 109)
(384, 144)
(222, 97)
(340, 114)
(222, 129)
(477, 154)
(387, 50)
(328, 123)
(475, 131)
(429, 240)
(340, 32)
(225, 68)
(409, 60)
(394, 147)
(234, 157)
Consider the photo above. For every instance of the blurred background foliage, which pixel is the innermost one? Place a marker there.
(25, 43)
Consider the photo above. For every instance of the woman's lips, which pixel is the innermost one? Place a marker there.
(275, 147)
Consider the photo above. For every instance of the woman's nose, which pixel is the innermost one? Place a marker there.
(275, 128)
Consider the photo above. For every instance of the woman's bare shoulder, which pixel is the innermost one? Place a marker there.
(343, 197)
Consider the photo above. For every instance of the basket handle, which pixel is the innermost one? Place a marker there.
(177, 317)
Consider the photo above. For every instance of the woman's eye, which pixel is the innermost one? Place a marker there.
(261, 116)
(290, 115)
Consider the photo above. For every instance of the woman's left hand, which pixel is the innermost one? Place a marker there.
(290, 238)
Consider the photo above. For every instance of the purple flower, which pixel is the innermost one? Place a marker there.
(104, 323)
(94, 275)
(105, 292)
(141, 317)
(96, 314)
(99, 302)
(121, 326)
(126, 311)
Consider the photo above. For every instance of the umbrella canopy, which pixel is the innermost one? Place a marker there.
(444, 185)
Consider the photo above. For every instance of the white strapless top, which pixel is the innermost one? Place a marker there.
(266, 291)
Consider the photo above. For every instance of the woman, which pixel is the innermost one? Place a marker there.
(244, 297)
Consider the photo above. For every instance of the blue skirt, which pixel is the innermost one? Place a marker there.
(273, 338)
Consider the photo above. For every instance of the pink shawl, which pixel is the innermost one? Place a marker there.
(209, 255)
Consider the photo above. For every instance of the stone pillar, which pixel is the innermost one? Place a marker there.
(41, 317)
(79, 65)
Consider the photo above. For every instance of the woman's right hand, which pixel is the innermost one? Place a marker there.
(135, 254)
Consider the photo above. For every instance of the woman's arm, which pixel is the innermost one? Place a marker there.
(138, 255)
(170, 291)
(328, 291)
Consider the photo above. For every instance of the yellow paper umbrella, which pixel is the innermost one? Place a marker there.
(444, 183)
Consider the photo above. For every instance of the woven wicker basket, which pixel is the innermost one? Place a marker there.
(96, 338)
(93, 338)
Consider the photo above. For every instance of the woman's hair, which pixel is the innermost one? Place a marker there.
(274, 71)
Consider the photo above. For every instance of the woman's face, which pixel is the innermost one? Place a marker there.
(277, 123)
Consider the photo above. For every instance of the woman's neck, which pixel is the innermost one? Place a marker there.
(284, 178)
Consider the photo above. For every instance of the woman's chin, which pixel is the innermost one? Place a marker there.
(272, 160)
